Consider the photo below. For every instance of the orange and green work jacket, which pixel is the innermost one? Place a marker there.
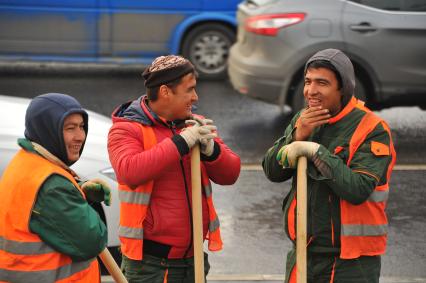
(348, 183)
(24, 256)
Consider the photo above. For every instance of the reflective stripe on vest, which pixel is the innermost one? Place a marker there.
(214, 224)
(134, 197)
(129, 232)
(378, 196)
(364, 227)
(51, 275)
(134, 204)
(364, 230)
(208, 190)
(24, 248)
(24, 257)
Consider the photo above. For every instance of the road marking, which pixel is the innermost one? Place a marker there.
(414, 167)
(280, 277)
(398, 167)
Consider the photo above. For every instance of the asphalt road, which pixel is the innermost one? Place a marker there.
(250, 212)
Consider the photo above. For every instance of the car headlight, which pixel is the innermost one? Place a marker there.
(109, 172)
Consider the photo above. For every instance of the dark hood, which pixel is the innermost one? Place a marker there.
(133, 111)
(44, 121)
(343, 65)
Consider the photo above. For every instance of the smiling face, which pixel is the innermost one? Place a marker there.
(181, 98)
(74, 135)
(322, 89)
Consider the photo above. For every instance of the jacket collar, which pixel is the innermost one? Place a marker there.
(345, 111)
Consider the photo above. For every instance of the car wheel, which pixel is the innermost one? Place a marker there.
(360, 91)
(207, 47)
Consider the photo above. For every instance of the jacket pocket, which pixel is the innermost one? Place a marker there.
(342, 152)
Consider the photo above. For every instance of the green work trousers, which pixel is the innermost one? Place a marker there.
(153, 269)
(323, 266)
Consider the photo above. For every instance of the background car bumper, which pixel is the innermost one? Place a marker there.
(253, 84)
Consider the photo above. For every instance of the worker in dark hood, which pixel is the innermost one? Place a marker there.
(44, 124)
(350, 159)
(48, 230)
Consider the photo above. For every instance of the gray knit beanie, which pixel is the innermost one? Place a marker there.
(343, 65)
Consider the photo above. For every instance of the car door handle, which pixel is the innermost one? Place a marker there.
(363, 27)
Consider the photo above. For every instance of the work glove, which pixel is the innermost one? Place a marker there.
(207, 137)
(97, 190)
(196, 132)
(287, 156)
(191, 135)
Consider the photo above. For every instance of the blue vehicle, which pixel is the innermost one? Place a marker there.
(119, 31)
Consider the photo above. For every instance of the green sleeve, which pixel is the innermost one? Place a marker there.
(272, 169)
(356, 182)
(65, 221)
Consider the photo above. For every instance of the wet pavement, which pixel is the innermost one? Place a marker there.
(251, 225)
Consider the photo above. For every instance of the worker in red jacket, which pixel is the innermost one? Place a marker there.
(149, 145)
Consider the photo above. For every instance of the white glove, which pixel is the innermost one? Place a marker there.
(206, 133)
(191, 134)
(206, 140)
(287, 156)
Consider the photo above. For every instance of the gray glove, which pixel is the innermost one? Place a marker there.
(207, 134)
(206, 140)
(191, 135)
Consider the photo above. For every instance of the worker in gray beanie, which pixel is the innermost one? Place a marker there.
(350, 159)
(342, 65)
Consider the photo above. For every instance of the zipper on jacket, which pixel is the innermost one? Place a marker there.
(172, 128)
(312, 198)
(330, 205)
(312, 186)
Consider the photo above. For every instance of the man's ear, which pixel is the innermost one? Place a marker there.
(163, 92)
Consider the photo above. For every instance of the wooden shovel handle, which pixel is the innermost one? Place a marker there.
(112, 266)
(197, 218)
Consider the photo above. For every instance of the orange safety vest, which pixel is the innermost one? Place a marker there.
(134, 204)
(364, 226)
(24, 257)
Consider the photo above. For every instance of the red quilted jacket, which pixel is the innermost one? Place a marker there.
(168, 217)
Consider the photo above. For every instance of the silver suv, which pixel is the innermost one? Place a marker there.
(385, 39)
